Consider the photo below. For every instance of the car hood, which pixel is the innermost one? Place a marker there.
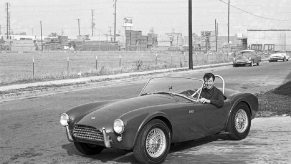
(105, 115)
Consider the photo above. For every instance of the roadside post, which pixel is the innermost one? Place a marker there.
(120, 61)
(96, 63)
(68, 65)
(156, 59)
(181, 64)
(33, 67)
(171, 58)
(185, 61)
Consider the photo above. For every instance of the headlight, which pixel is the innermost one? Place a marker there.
(118, 126)
(64, 119)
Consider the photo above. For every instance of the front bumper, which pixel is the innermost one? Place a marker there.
(241, 62)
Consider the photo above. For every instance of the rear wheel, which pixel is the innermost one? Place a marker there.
(153, 143)
(239, 122)
(258, 63)
(88, 149)
(252, 63)
(284, 59)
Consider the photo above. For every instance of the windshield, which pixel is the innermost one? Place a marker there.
(177, 85)
(244, 55)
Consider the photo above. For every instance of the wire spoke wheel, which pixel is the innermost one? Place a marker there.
(241, 121)
(155, 143)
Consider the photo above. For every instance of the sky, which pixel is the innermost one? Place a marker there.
(163, 16)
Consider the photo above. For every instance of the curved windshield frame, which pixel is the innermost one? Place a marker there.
(174, 85)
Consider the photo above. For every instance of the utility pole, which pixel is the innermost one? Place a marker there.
(92, 22)
(41, 35)
(110, 35)
(228, 22)
(79, 26)
(215, 35)
(190, 33)
(114, 34)
(8, 21)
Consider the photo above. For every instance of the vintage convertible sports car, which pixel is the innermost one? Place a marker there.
(166, 111)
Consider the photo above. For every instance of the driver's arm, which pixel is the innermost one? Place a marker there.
(217, 99)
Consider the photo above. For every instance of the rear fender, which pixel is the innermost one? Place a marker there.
(247, 98)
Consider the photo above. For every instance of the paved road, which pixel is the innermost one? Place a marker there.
(30, 131)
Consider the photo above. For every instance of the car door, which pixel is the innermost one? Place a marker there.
(186, 122)
(210, 118)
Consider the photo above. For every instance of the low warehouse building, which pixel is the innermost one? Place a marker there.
(269, 40)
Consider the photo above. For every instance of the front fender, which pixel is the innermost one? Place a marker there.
(135, 121)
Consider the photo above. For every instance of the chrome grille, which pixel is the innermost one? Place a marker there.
(87, 133)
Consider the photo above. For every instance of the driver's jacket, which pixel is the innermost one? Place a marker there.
(215, 96)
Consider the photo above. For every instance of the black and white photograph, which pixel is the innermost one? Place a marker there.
(145, 81)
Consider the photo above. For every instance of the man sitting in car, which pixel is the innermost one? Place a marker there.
(210, 94)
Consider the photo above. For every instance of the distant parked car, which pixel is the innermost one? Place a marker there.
(279, 56)
(246, 57)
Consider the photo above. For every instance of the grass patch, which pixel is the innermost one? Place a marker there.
(284, 89)
(276, 101)
(16, 68)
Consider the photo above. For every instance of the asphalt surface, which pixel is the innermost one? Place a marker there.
(30, 131)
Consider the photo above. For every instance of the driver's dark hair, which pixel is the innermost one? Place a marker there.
(208, 76)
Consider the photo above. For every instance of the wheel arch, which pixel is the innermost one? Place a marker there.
(160, 116)
(238, 101)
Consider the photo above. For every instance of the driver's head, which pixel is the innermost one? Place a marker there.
(208, 80)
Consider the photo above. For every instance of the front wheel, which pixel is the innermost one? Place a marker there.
(284, 59)
(239, 122)
(153, 143)
(88, 149)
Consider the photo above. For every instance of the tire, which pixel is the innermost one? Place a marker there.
(145, 151)
(88, 149)
(239, 122)
(252, 63)
(258, 63)
(284, 59)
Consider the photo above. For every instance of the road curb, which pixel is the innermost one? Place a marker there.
(102, 78)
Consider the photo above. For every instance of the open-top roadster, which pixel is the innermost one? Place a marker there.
(166, 111)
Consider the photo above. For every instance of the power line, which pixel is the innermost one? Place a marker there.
(259, 16)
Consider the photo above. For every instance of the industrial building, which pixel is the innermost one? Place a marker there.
(269, 39)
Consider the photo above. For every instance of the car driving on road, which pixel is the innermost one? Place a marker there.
(246, 57)
(282, 56)
(166, 111)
